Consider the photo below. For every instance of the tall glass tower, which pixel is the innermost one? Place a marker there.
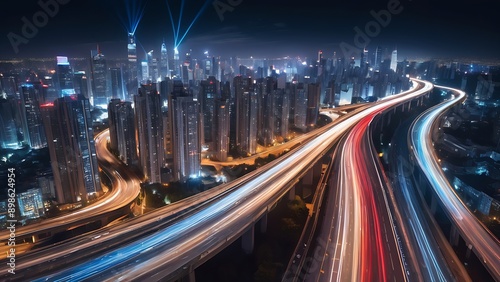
(185, 134)
(65, 77)
(177, 66)
(164, 67)
(149, 125)
(35, 131)
(394, 60)
(99, 73)
(132, 72)
(68, 126)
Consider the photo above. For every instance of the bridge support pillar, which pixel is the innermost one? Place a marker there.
(291, 194)
(454, 236)
(191, 277)
(263, 223)
(248, 240)
(308, 177)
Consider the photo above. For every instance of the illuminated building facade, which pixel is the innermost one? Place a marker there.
(68, 126)
(149, 126)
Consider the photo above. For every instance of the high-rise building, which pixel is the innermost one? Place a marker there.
(132, 71)
(394, 60)
(208, 67)
(313, 99)
(152, 67)
(9, 85)
(246, 100)
(185, 74)
(166, 87)
(346, 94)
(81, 84)
(99, 81)
(149, 128)
(64, 75)
(185, 122)
(266, 89)
(117, 85)
(145, 79)
(122, 131)
(68, 126)
(282, 105)
(164, 66)
(209, 92)
(221, 130)
(8, 129)
(300, 106)
(177, 63)
(189, 60)
(35, 133)
(377, 58)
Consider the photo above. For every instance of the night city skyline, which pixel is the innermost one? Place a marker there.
(249, 140)
(423, 29)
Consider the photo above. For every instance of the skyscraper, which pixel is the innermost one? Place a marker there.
(377, 58)
(281, 112)
(99, 81)
(145, 78)
(313, 99)
(246, 115)
(81, 86)
(209, 92)
(35, 133)
(132, 79)
(266, 89)
(164, 66)
(117, 85)
(185, 133)
(152, 67)
(394, 60)
(8, 129)
(221, 129)
(300, 109)
(177, 64)
(122, 131)
(68, 126)
(64, 75)
(149, 128)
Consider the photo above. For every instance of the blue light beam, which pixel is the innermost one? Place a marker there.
(179, 22)
(172, 21)
(192, 23)
(135, 12)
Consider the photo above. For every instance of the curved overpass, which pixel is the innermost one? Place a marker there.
(116, 202)
(358, 228)
(483, 243)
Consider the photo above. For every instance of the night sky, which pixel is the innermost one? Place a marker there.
(423, 29)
